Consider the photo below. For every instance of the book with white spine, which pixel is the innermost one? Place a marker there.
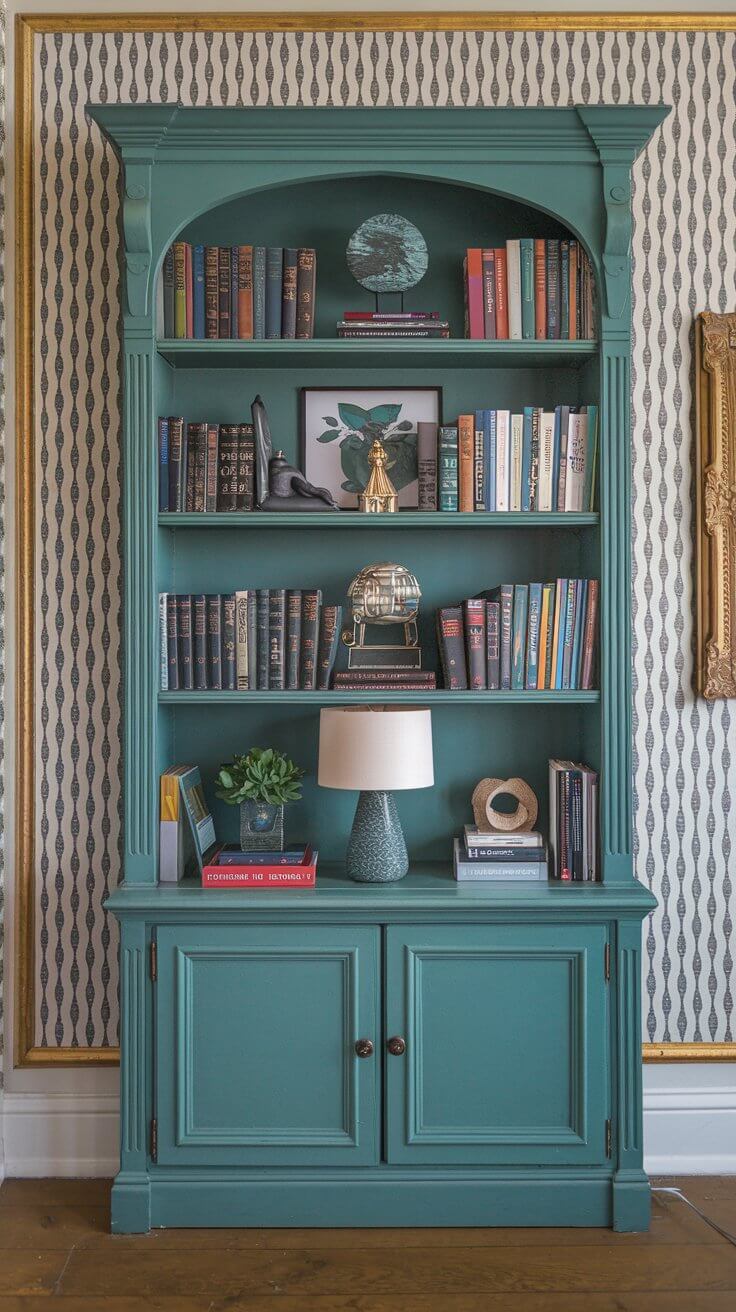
(577, 449)
(503, 458)
(162, 641)
(546, 458)
(513, 287)
(517, 444)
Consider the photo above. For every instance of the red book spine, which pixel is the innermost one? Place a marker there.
(591, 618)
(475, 640)
(476, 329)
(466, 457)
(540, 290)
(245, 292)
(259, 876)
(189, 284)
(502, 304)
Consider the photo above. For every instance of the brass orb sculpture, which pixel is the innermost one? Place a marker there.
(384, 594)
(379, 496)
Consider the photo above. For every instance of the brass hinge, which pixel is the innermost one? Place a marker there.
(154, 1140)
(607, 962)
(609, 1137)
(154, 961)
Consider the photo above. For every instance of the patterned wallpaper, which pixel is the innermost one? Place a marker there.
(685, 261)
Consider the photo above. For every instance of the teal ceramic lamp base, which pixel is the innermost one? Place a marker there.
(377, 851)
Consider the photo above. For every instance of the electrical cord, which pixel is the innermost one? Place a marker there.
(677, 1193)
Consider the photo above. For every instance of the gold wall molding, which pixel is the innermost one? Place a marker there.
(27, 26)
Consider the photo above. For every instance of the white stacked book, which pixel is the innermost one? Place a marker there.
(521, 858)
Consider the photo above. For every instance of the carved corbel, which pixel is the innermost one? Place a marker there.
(137, 236)
(617, 246)
(715, 338)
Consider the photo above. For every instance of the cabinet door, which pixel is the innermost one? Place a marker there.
(506, 1044)
(255, 1040)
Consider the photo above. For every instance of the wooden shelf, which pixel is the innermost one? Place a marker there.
(344, 697)
(404, 519)
(397, 353)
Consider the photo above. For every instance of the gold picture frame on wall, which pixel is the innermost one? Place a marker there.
(28, 26)
(715, 477)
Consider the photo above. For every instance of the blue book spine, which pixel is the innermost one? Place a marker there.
(556, 457)
(492, 444)
(518, 636)
(479, 464)
(526, 247)
(526, 459)
(234, 259)
(447, 468)
(591, 458)
(581, 594)
(569, 632)
(198, 291)
(561, 600)
(274, 279)
(532, 644)
(163, 464)
(259, 292)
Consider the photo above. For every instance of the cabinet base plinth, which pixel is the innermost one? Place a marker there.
(632, 1200)
(130, 1204)
(384, 1197)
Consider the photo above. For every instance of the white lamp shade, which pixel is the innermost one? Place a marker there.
(375, 748)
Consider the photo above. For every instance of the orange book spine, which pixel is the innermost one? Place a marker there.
(466, 452)
(245, 292)
(502, 303)
(540, 290)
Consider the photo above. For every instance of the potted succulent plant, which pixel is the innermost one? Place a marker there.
(260, 783)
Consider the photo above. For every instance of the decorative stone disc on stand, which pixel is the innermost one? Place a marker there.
(387, 254)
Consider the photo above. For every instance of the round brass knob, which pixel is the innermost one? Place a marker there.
(364, 1047)
(396, 1046)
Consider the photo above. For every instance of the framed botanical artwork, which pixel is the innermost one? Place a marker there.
(338, 426)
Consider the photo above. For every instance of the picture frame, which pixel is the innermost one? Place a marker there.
(715, 475)
(357, 416)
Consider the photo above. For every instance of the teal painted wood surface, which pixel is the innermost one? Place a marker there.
(456, 353)
(490, 1075)
(465, 177)
(346, 519)
(256, 1031)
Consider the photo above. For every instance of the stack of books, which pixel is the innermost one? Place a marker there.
(529, 289)
(238, 292)
(231, 867)
(410, 323)
(490, 857)
(205, 467)
(522, 636)
(386, 680)
(533, 460)
(573, 821)
(255, 639)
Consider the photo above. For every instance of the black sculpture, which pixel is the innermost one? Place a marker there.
(279, 486)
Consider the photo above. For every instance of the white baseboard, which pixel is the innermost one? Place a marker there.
(689, 1127)
(60, 1134)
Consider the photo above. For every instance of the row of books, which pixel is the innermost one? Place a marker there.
(258, 638)
(492, 857)
(367, 324)
(205, 467)
(243, 292)
(573, 821)
(188, 846)
(521, 636)
(535, 460)
(532, 288)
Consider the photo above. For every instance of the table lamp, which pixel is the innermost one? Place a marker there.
(376, 750)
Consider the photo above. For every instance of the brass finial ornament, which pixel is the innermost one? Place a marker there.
(379, 495)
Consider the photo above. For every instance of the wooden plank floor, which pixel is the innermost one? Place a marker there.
(56, 1254)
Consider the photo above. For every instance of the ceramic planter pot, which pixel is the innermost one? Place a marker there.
(261, 827)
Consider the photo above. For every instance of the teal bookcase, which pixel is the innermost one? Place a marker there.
(243, 1100)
